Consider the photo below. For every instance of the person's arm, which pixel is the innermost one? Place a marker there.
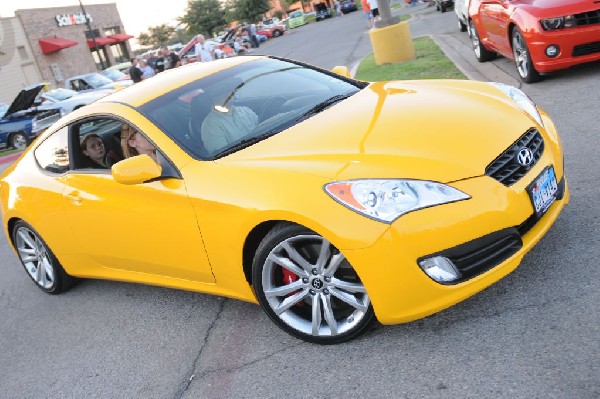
(176, 61)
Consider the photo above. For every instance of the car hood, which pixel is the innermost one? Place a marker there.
(442, 130)
(24, 99)
(556, 8)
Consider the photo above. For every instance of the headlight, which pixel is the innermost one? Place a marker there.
(558, 23)
(387, 199)
(521, 99)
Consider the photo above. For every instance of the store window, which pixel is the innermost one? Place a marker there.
(100, 55)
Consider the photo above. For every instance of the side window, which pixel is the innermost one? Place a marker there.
(53, 154)
(99, 143)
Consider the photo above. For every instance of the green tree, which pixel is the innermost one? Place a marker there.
(161, 34)
(204, 16)
(250, 10)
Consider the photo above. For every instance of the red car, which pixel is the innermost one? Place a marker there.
(540, 35)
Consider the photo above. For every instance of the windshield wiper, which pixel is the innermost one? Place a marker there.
(323, 105)
(245, 143)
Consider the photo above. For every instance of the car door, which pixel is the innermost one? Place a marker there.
(145, 228)
(491, 16)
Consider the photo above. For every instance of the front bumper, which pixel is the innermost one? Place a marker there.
(398, 288)
(577, 46)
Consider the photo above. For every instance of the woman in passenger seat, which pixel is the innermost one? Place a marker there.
(133, 143)
(94, 153)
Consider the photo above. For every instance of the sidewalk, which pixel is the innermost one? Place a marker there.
(9, 158)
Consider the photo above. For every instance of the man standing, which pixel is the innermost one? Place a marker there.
(171, 60)
(147, 71)
(202, 50)
(134, 72)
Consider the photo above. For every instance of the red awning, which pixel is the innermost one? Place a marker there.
(100, 41)
(52, 44)
(120, 37)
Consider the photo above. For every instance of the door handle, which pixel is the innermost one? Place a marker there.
(74, 197)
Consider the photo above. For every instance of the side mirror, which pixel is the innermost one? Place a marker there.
(136, 170)
(342, 71)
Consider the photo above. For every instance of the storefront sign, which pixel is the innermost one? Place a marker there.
(72, 19)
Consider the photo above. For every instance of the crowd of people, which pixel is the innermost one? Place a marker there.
(150, 65)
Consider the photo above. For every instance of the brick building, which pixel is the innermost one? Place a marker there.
(51, 44)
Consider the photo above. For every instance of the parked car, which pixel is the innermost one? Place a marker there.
(443, 5)
(540, 36)
(461, 9)
(271, 31)
(296, 19)
(94, 81)
(347, 6)
(69, 100)
(187, 54)
(20, 123)
(115, 75)
(330, 202)
(323, 12)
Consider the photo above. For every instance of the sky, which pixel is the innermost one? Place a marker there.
(136, 15)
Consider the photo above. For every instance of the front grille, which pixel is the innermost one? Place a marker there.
(585, 49)
(505, 168)
(588, 18)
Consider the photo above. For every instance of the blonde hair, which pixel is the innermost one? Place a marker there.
(127, 133)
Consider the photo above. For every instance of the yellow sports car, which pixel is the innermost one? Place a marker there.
(329, 201)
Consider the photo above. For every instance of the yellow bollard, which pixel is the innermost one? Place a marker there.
(392, 43)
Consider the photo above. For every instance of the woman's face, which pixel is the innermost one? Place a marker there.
(140, 143)
(94, 148)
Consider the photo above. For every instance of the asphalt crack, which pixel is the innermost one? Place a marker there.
(190, 376)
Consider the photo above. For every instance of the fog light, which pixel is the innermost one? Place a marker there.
(552, 50)
(440, 269)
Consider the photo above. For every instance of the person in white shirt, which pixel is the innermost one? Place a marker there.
(204, 52)
(374, 9)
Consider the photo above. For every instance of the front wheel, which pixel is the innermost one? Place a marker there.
(523, 61)
(308, 288)
(481, 52)
(276, 33)
(39, 261)
(18, 141)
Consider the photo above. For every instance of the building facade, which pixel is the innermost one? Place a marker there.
(59, 44)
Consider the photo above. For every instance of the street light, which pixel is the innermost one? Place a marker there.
(89, 26)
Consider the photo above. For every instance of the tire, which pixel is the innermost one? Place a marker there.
(323, 300)
(481, 53)
(38, 260)
(276, 33)
(461, 25)
(19, 141)
(442, 8)
(523, 62)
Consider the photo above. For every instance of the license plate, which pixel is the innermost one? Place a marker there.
(543, 191)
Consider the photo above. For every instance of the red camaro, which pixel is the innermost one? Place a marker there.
(540, 35)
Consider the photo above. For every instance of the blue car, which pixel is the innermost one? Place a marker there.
(20, 123)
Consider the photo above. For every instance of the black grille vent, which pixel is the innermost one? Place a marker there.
(585, 49)
(588, 18)
(505, 168)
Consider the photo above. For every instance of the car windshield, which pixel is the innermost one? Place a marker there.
(296, 14)
(96, 80)
(60, 94)
(239, 106)
(3, 109)
(113, 74)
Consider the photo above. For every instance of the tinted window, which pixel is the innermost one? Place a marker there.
(269, 95)
(53, 154)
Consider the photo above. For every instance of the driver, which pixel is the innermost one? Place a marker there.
(226, 123)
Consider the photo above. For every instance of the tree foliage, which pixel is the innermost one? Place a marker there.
(249, 10)
(204, 16)
(157, 35)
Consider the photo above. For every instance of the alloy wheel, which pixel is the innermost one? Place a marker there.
(35, 258)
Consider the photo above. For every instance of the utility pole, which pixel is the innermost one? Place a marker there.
(386, 15)
(89, 26)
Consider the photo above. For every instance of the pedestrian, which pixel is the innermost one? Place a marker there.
(374, 10)
(336, 7)
(147, 71)
(203, 51)
(171, 60)
(135, 73)
(253, 36)
(367, 10)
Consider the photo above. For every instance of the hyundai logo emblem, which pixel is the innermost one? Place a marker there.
(525, 157)
(317, 284)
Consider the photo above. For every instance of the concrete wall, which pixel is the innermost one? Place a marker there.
(17, 61)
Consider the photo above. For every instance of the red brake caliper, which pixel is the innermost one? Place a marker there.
(289, 278)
